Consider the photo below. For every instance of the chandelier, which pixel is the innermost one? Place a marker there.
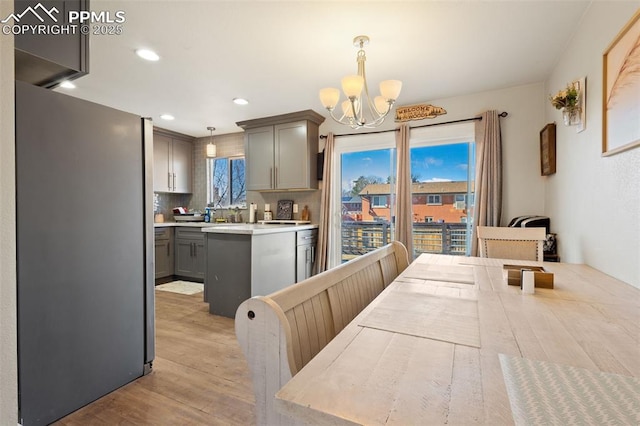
(359, 110)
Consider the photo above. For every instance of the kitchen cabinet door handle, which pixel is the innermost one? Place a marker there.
(313, 255)
(169, 181)
(174, 181)
(168, 249)
(271, 177)
(275, 178)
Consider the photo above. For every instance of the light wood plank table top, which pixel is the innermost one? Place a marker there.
(428, 349)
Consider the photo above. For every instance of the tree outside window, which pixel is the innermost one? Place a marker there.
(226, 183)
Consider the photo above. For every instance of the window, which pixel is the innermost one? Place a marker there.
(225, 185)
(379, 201)
(442, 164)
(363, 167)
(434, 199)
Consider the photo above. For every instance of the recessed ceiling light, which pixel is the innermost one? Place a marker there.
(67, 85)
(147, 54)
(168, 117)
(240, 101)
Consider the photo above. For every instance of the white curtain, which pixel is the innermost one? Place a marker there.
(404, 210)
(322, 257)
(488, 181)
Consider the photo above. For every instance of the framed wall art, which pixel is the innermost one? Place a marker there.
(621, 90)
(285, 210)
(548, 150)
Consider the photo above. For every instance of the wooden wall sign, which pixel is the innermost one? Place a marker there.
(548, 149)
(418, 112)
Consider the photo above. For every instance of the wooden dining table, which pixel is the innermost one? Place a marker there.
(450, 342)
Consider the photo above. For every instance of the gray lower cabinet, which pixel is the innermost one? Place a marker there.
(190, 255)
(164, 252)
(305, 253)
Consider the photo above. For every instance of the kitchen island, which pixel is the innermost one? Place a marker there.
(246, 260)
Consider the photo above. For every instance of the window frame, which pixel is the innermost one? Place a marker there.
(437, 197)
(420, 137)
(229, 177)
(376, 205)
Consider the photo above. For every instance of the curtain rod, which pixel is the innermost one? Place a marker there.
(502, 114)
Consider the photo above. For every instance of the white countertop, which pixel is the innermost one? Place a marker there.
(189, 224)
(255, 229)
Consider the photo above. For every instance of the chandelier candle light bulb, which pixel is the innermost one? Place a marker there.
(360, 110)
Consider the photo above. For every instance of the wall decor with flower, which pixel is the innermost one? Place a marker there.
(572, 102)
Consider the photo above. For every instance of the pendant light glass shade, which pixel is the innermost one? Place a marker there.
(352, 85)
(390, 89)
(329, 97)
(211, 148)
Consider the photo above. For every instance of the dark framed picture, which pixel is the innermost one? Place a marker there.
(548, 149)
(285, 210)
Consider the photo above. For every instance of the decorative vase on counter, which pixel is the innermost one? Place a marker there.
(571, 115)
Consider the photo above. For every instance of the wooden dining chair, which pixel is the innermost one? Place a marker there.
(511, 243)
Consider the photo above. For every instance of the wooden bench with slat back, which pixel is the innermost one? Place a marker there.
(280, 333)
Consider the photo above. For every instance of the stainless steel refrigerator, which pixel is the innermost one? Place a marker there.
(84, 249)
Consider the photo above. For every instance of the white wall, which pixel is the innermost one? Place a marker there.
(594, 201)
(8, 336)
(523, 185)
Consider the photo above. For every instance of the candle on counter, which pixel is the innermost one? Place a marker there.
(267, 207)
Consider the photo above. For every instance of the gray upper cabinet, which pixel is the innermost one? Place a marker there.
(172, 162)
(47, 59)
(259, 155)
(281, 151)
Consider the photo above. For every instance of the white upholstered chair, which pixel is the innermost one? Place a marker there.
(511, 243)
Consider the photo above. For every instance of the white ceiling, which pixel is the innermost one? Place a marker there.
(279, 54)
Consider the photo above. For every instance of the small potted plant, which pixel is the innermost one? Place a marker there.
(567, 100)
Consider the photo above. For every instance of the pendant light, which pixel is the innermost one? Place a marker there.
(211, 148)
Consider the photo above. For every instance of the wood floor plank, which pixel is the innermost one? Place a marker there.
(199, 377)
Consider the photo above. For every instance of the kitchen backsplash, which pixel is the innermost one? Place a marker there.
(301, 198)
(165, 202)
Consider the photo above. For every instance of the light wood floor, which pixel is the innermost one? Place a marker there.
(199, 374)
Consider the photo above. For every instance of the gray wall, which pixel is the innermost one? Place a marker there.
(8, 303)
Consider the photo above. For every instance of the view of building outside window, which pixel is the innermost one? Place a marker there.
(442, 201)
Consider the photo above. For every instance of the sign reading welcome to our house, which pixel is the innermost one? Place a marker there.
(418, 112)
